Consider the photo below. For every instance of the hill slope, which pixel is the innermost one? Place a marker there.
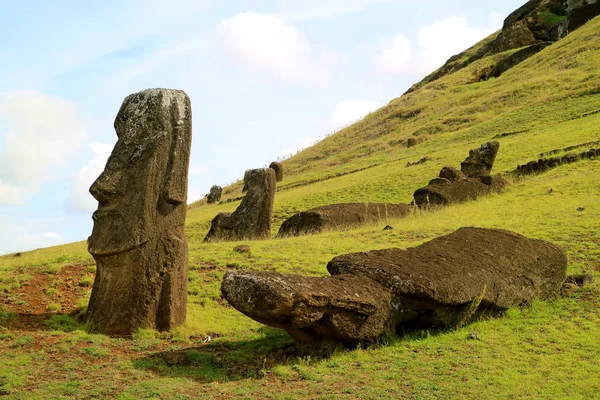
(550, 101)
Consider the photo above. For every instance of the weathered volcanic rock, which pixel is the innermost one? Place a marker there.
(467, 273)
(138, 239)
(446, 282)
(214, 195)
(278, 168)
(442, 192)
(342, 308)
(252, 219)
(340, 216)
(474, 180)
(481, 160)
(452, 174)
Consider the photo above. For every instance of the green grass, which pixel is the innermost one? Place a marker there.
(548, 350)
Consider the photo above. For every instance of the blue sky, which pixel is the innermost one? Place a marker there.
(265, 77)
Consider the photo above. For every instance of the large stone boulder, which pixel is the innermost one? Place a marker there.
(278, 168)
(252, 219)
(138, 239)
(214, 195)
(341, 308)
(481, 160)
(445, 282)
(580, 12)
(340, 216)
(435, 283)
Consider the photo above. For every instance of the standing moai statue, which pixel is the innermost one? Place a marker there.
(252, 219)
(214, 195)
(278, 168)
(480, 161)
(138, 239)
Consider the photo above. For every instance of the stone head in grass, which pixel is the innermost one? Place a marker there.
(138, 238)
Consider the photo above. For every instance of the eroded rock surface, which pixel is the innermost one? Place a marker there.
(340, 308)
(278, 168)
(138, 239)
(441, 192)
(481, 160)
(434, 283)
(252, 219)
(447, 281)
(340, 216)
(472, 181)
(214, 195)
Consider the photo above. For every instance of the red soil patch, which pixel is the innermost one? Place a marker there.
(30, 302)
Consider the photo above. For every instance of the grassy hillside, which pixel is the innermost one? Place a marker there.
(551, 101)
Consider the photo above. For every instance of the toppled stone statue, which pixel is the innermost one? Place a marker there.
(340, 216)
(472, 181)
(252, 219)
(214, 195)
(278, 168)
(481, 160)
(138, 239)
(445, 282)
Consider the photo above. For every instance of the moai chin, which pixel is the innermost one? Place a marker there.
(138, 239)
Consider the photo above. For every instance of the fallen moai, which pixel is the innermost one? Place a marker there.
(472, 181)
(338, 216)
(138, 239)
(445, 282)
(214, 195)
(252, 219)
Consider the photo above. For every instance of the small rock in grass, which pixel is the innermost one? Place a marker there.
(569, 288)
(388, 228)
(242, 248)
(580, 280)
(473, 336)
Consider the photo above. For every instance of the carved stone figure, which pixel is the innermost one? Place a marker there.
(474, 180)
(214, 195)
(278, 167)
(340, 216)
(138, 238)
(481, 160)
(445, 282)
(252, 219)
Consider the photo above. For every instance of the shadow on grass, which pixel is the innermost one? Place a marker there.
(231, 360)
(236, 360)
(47, 321)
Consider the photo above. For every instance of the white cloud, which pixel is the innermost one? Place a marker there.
(435, 44)
(80, 200)
(294, 10)
(51, 235)
(396, 56)
(350, 111)
(445, 38)
(44, 131)
(266, 42)
(33, 241)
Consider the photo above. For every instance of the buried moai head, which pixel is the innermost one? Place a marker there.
(143, 188)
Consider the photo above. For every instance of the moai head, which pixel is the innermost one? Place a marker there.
(143, 189)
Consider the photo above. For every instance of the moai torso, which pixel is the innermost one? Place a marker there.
(138, 239)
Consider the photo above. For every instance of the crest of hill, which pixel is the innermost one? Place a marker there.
(528, 95)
